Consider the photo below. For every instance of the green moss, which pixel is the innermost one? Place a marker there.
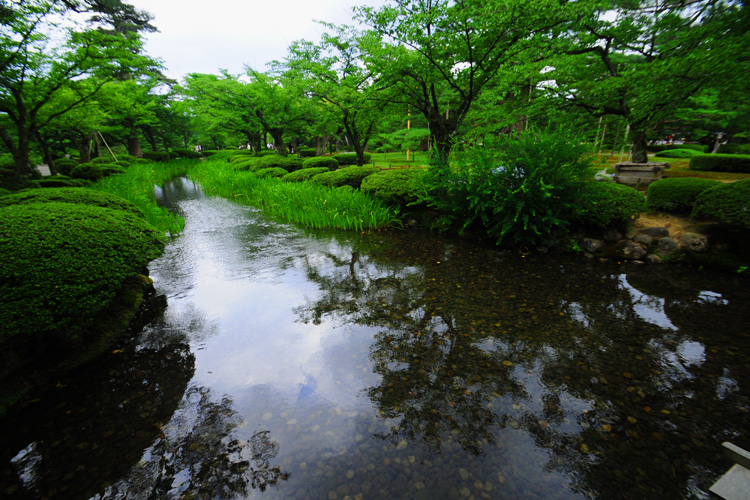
(61, 264)
(350, 176)
(71, 195)
(725, 203)
(396, 187)
(303, 175)
(676, 195)
(59, 181)
(604, 204)
(328, 162)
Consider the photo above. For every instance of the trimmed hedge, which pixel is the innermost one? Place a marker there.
(306, 152)
(304, 175)
(250, 163)
(676, 195)
(721, 163)
(60, 181)
(350, 158)
(679, 153)
(160, 156)
(92, 172)
(288, 163)
(62, 263)
(328, 162)
(267, 152)
(396, 187)
(350, 176)
(604, 204)
(63, 166)
(728, 203)
(701, 148)
(277, 172)
(80, 196)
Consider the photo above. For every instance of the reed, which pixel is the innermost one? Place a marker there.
(137, 185)
(302, 203)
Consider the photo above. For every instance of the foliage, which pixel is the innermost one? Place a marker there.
(277, 172)
(160, 156)
(4, 192)
(734, 148)
(727, 203)
(288, 163)
(518, 188)
(59, 181)
(306, 152)
(184, 153)
(604, 204)
(137, 186)
(62, 263)
(250, 163)
(396, 187)
(63, 166)
(349, 176)
(658, 148)
(80, 196)
(678, 153)
(328, 162)
(303, 175)
(8, 177)
(303, 203)
(676, 195)
(721, 163)
(92, 171)
(265, 152)
(350, 158)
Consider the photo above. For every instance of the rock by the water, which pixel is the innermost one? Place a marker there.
(667, 246)
(590, 245)
(632, 250)
(644, 240)
(612, 235)
(694, 242)
(654, 259)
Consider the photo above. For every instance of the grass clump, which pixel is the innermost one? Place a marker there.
(604, 204)
(725, 203)
(349, 176)
(676, 195)
(304, 203)
(303, 175)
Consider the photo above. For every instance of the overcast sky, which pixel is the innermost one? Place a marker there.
(201, 36)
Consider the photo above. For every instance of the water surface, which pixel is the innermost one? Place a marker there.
(308, 365)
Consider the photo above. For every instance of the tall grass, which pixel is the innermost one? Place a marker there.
(137, 185)
(303, 203)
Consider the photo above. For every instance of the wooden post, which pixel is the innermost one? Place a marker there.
(596, 137)
(408, 127)
(627, 133)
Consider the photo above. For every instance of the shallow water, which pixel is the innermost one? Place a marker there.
(297, 364)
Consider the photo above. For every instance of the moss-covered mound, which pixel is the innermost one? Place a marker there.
(70, 195)
(396, 187)
(725, 203)
(94, 171)
(63, 263)
(676, 195)
(59, 181)
(303, 175)
(603, 204)
(328, 162)
(350, 176)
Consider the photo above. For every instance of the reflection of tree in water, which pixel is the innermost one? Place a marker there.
(199, 455)
(573, 345)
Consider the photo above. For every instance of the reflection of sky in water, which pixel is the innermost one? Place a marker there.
(647, 307)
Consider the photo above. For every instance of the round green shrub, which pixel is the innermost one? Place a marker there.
(350, 176)
(328, 162)
(397, 187)
(701, 148)
(250, 163)
(288, 163)
(60, 181)
(88, 171)
(676, 195)
(306, 152)
(100, 160)
(721, 163)
(303, 175)
(62, 263)
(160, 156)
(728, 203)
(679, 153)
(81, 196)
(277, 172)
(267, 152)
(604, 204)
(351, 158)
(63, 166)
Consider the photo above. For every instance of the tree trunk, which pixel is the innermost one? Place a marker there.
(134, 147)
(278, 140)
(46, 156)
(638, 150)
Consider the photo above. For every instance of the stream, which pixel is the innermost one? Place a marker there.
(283, 363)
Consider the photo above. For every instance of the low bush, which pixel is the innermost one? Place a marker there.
(304, 175)
(78, 196)
(250, 163)
(679, 153)
(288, 163)
(59, 181)
(721, 163)
(396, 187)
(160, 156)
(267, 152)
(351, 158)
(349, 176)
(63, 166)
(306, 152)
(676, 195)
(210, 152)
(4, 192)
(184, 153)
(734, 148)
(100, 160)
(88, 171)
(321, 161)
(604, 204)
(62, 263)
(8, 178)
(277, 172)
(728, 203)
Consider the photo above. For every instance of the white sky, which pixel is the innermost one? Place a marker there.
(199, 36)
